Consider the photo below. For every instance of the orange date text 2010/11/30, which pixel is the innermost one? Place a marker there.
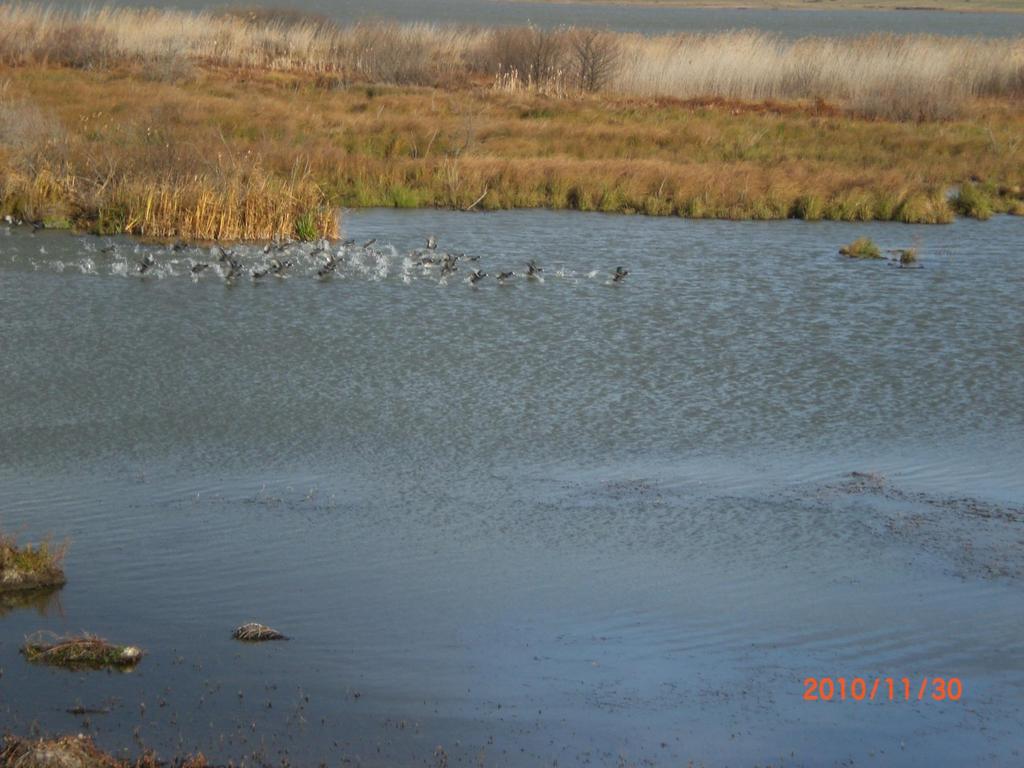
(883, 689)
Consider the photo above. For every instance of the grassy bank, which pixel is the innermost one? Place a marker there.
(257, 126)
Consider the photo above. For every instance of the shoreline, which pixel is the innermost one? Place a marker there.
(796, 5)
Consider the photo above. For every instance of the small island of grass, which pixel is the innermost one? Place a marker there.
(30, 567)
(81, 652)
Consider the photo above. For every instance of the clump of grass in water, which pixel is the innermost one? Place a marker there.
(907, 257)
(861, 248)
(255, 633)
(81, 651)
(80, 752)
(30, 567)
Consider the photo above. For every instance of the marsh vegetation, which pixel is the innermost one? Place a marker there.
(80, 652)
(259, 124)
(78, 752)
(30, 567)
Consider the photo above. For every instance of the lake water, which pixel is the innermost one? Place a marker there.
(638, 18)
(558, 520)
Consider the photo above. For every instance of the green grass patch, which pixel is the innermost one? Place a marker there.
(972, 201)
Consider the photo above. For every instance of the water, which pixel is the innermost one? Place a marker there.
(561, 520)
(640, 18)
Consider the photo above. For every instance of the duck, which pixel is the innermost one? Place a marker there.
(532, 270)
(328, 267)
(108, 249)
(503, 276)
(476, 276)
(223, 257)
(280, 267)
(179, 245)
(234, 269)
(260, 273)
(200, 267)
(369, 242)
(431, 243)
(146, 263)
(449, 263)
(620, 275)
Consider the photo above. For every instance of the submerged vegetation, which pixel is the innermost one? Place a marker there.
(253, 125)
(80, 652)
(30, 567)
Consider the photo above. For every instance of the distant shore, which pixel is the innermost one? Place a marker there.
(949, 6)
(256, 125)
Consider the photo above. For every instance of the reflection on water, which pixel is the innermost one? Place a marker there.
(639, 17)
(45, 602)
(555, 519)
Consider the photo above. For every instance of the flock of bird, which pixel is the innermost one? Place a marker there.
(278, 265)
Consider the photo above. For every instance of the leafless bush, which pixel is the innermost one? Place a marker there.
(391, 53)
(595, 57)
(535, 55)
(79, 46)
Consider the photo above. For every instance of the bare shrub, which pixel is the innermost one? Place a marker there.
(595, 55)
(535, 55)
(79, 46)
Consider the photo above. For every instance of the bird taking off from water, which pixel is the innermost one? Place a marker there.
(146, 264)
(278, 267)
(476, 277)
(620, 275)
(431, 243)
(328, 267)
(234, 269)
(532, 270)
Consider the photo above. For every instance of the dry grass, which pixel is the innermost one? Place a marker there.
(78, 752)
(131, 152)
(255, 125)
